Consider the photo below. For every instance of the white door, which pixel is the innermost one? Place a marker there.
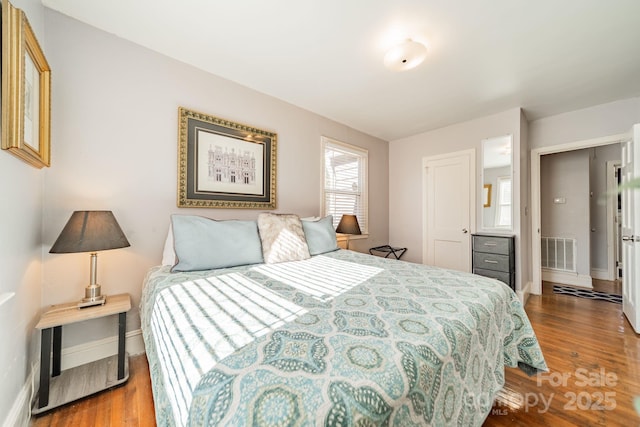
(631, 230)
(449, 200)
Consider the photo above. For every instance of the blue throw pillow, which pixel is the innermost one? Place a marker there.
(320, 235)
(204, 244)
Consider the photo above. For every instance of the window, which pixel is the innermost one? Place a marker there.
(344, 170)
(503, 206)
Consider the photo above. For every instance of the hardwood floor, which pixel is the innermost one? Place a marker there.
(612, 287)
(129, 405)
(593, 356)
(590, 348)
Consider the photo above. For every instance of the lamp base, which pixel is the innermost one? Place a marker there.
(89, 302)
(92, 295)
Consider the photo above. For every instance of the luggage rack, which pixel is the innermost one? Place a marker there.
(388, 250)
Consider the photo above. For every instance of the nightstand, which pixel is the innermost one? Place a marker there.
(60, 387)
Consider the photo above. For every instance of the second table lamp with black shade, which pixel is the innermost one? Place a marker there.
(90, 231)
(348, 225)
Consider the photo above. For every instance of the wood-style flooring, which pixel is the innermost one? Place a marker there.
(593, 356)
(590, 348)
(610, 287)
(129, 405)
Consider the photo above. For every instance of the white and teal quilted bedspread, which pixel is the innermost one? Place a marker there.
(341, 339)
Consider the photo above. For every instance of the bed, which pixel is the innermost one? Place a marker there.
(338, 339)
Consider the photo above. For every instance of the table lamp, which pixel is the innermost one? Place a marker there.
(348, 225)
(90, 231)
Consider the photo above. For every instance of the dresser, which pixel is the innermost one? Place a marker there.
(493, 256)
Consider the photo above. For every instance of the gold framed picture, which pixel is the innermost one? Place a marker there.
(26, 90)
(486, 196)
(222, 164)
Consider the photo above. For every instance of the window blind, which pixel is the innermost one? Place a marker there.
(503, 211)
(345, 182)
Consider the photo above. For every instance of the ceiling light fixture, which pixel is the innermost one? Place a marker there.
(405, 56)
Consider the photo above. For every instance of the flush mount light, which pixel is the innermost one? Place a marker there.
(405, 56)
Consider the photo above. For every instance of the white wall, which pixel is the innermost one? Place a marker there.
(114, 146)
(20, 260)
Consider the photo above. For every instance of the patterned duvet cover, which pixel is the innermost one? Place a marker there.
(341, 339)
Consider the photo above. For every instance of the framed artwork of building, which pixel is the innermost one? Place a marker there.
(222, 164)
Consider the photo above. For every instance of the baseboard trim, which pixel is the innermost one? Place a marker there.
(601, 274)
(20, 413)
(99, 349)
(524, 293)
(565, 278)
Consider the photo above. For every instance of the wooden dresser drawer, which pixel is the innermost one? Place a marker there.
(494, 262)
(494, 256)
(507, 278)
(492, 244)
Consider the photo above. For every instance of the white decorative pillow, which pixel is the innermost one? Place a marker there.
(282, 238)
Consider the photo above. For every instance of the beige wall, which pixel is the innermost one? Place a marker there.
(114, 139)
(405, 172)
(20, 260)
(588, 123)
(405, 156)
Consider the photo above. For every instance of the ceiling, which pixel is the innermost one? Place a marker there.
(326, 56)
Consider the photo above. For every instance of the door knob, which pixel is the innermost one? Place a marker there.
(631, 238)
(465, 231)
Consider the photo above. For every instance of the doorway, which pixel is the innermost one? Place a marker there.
(536, 215)
(579, 216)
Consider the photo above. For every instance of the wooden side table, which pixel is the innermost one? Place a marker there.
(58, 388)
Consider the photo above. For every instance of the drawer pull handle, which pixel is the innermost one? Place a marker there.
(489, 261)
(491, 244)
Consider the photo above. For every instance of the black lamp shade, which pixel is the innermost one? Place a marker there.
(348, 225)
(90, 231)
